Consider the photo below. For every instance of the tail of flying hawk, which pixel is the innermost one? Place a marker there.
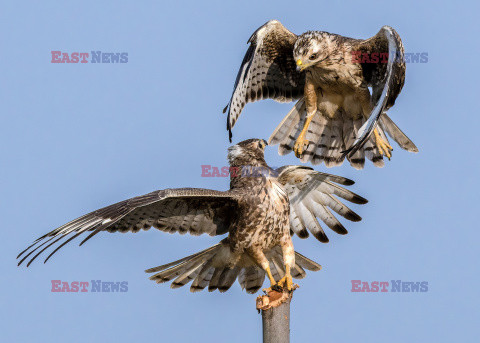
(209, 268)
(329, 137)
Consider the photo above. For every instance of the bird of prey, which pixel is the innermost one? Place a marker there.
(330, 75)
(258, 214)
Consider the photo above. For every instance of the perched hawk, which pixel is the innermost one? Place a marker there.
(259, 214)
(330, 75)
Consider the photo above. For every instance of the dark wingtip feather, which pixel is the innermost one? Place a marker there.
(322, 237)
(18, 256)
(225, 109)
(158, 279)
(88, 237)
(194, 289)
(357, 199)
(35, 242)
(61, 245)
(303, 234)
(340, 229)
(45, 248)
(352, 216)
(155, 269)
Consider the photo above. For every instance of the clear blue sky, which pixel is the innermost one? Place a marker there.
(76, 137)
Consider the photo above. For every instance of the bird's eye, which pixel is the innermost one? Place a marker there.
(313, 56)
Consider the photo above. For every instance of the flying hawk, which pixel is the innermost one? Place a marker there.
(259, 214)
(330, 75)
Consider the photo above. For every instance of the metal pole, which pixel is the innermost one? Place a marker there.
(275, 309)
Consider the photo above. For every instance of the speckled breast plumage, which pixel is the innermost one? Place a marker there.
(266, 207)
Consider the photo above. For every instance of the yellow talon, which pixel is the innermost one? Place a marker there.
(299, 145)
(383, 147)
(285, 283)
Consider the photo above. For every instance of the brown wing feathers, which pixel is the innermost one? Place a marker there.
(183, 210)
(268, 71)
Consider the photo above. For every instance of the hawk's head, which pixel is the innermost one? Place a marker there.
(311, 48)
(248, 152)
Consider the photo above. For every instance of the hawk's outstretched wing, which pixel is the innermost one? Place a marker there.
(312, 195)
(180, 210)
(386, 79)
(268, 71)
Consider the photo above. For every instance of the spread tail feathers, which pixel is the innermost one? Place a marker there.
(209, 268)
(328, 137)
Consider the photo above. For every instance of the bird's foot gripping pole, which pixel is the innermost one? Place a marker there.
(383, 147)
(285, 284)
(278, 293)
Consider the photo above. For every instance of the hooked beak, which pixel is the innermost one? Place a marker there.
(300, 65)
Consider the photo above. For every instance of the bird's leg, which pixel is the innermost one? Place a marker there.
(270, 277)
(274, 286)
(383, 147)
(260, 258)
(310, 96)
(288, 253)
(301, 142)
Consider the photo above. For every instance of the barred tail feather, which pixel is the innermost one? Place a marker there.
(333, 157)
(316, 131)
(350, 129)
(320, 149)
(369, 150)
(328, 137)
(288, 124)
(251, 279)
(209, 268)
(183, 268)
